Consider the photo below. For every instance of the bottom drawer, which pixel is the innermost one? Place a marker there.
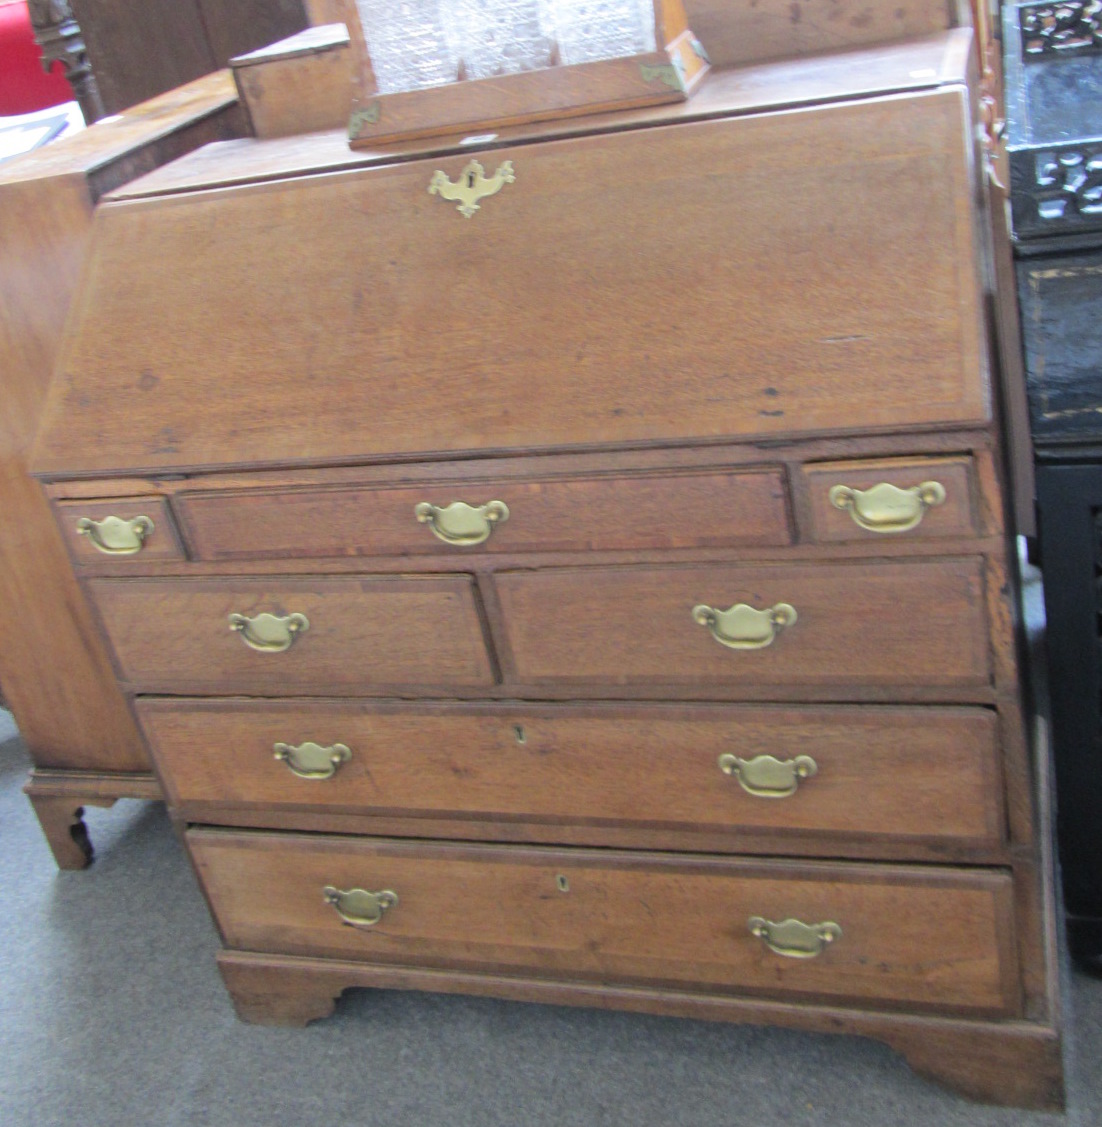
(925, 938)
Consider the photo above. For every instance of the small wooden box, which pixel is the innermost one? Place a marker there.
(298, 85)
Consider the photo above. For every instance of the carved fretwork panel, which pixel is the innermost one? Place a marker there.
(1062, 28)
(1057, 190)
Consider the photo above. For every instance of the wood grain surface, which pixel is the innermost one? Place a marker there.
(922, 937)
(956, 516)
(924, 774)
(293, 90)
(54, 667)
(173, 635)
(573, 309)
(586, 514)
(1012, 1063)
(862, 625)
(162, 543)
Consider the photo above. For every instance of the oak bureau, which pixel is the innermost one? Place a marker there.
(600, 595)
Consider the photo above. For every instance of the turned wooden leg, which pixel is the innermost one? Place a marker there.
(279, 994)
(62, 821)
(1017, 1066)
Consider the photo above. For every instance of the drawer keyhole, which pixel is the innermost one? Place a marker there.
(521, 735)
(562, 884)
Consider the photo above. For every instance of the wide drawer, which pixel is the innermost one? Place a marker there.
(866, 625)
(924, 775)
(887, 935)
(272, 636)
(689, 510)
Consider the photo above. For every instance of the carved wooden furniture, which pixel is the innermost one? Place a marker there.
(1054, 81)
(55, 671)
(593, 591)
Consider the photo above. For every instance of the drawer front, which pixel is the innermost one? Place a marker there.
(931, 939)
(348, 634)
(912, 498)
(119, 532)
(923, 774)
(643, 286)
(863, 625)
(700, 510)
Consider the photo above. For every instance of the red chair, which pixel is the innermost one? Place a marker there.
(24, 85)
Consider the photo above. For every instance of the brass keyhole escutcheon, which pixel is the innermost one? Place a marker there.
(562, 884)
(520, 734)
(472, 186)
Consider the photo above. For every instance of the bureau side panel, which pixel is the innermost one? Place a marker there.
(810, 271)
(54, 672)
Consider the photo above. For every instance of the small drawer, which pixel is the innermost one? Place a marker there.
(878, 934)
(719, 508)
(101, 533)
(731, 630)
(271, 636)
(923, 775)
(912, 497)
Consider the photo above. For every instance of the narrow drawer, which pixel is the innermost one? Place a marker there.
(863, 625)
(917, 774)
(102, 533)
(909, 497)
(694, 510)
(928, 938)
(272, 636)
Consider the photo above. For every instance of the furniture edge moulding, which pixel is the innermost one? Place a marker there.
(1013, 1063)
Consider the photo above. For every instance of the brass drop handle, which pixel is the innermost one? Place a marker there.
(461, 524)
(793, 939)
(311, 760)
(886, 507)
(115, 536)
(767, 777)
(359, 907)
(269, 633)
(741, 627)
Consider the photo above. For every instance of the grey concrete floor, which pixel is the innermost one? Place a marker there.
(112, 1014)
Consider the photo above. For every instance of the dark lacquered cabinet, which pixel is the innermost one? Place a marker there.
(1053, 57)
